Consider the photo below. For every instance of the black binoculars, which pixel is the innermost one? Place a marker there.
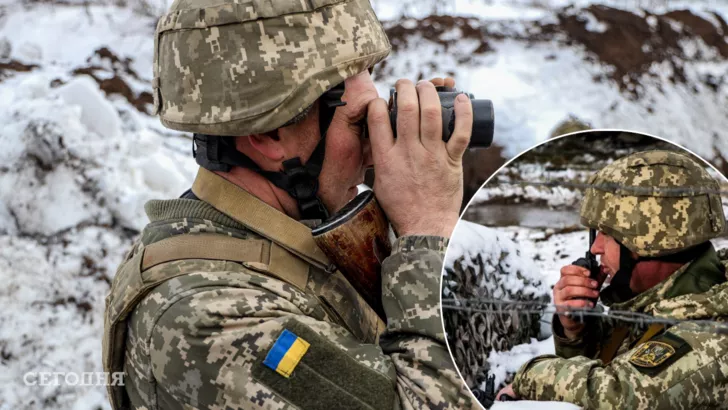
(483, 115)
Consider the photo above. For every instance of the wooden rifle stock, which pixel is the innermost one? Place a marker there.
(356, 240)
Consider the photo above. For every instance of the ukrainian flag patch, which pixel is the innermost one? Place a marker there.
(286, 353)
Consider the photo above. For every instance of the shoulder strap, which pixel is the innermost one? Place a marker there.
(253, 253)
(618, 336)
(615, 340)
(258, 216)
(651, 332)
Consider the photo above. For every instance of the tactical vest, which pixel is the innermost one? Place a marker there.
(286, 252)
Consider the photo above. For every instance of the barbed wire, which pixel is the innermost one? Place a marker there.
(535, 307)
(613, 187)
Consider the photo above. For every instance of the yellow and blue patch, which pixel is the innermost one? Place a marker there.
(286, 353)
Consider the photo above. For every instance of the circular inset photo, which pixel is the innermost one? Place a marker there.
(590, 272)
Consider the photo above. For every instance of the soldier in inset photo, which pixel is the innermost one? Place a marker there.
(635, 322)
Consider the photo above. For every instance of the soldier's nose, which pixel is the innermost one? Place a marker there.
(598, 245)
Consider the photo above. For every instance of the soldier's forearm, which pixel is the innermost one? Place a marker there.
(583, 343)
(411, 284)
(414, 339)
(550, 378)
(568, 344)
(589, 384)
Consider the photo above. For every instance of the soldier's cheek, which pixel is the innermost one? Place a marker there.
(346, 156)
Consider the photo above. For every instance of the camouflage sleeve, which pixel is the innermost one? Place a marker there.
(650, 376)
(223, 345)
(587, 344)
(415, 339)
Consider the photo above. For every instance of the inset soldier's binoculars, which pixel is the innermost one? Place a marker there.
(483, 115)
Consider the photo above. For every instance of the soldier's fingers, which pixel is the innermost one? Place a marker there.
(449, 82)
(430, 116)
(578, 303)
(437, 82)
(576, 292)
(576, 281)
(463, 129)
(380, 130)
(408, 113)
(574, 270)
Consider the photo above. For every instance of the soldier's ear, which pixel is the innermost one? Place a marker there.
(268, 145)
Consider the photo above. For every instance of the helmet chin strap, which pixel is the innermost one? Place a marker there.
(618, 289)
(299, 180)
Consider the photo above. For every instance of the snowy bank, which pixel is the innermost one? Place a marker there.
(484, 268)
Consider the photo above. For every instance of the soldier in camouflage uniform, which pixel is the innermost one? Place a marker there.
(226, 302)
(655, 213)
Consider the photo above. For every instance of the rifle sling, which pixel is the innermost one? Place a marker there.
(615, 340)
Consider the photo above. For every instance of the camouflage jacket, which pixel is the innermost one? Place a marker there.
(202, 340)
(684, 367)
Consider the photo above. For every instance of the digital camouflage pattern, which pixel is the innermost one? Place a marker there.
(249, 66)
(198, 340)
(697, 376)
(473, 335)
(655, 219)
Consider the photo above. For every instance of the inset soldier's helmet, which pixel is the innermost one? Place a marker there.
(243, 67)
(655, 203)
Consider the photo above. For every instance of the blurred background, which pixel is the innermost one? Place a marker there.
(510, 245)
(81, 154)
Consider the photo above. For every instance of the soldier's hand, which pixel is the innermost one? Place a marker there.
(419, 177)
(572, 290)
(506, 391)
(447, 82)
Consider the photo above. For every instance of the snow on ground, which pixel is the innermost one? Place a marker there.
(77, 166)
(510, 361)
(80, 153)
(536, 84)
(504, 186)
(552, 196)
(69, 35)
(57, 295)
(525, 9)
(529, 405)
(534, 87)
(73, 191)
(518, 275)
(548, 250)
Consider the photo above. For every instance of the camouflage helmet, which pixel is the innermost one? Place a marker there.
(655, 203)
(241, 67)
